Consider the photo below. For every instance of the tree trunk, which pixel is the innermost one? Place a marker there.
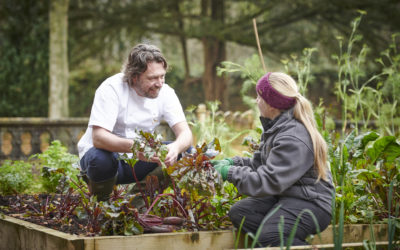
(214, 54)
(58, 59)
(182, 39)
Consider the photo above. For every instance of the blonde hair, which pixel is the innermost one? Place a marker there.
(303, 112)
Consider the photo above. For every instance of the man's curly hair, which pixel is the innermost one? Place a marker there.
(137, 61)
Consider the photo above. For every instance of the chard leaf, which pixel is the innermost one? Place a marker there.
(385, 147)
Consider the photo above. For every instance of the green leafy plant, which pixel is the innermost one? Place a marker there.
(150, 144)
(90, 211)
(223, 203)
(195, 174)
(193, 180)
(56, 163)
(15, 177)
(377, 162)
(214, 126)
(368, 162)
(120, 219)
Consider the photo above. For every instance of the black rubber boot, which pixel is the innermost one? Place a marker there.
(163, 180)
(102, 189)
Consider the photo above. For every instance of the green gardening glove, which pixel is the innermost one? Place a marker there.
(222, 167)
(226, 161)
(223, 170)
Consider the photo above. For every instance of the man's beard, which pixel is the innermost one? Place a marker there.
(150, 93)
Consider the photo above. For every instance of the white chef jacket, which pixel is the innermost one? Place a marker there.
(119, 109)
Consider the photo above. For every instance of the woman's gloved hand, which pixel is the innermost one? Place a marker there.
(226, 161)
(222, 166)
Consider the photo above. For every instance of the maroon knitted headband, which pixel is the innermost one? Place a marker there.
(272, 96)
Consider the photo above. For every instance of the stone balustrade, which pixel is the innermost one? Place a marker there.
(22, 137)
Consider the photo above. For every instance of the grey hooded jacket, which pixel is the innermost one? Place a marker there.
(282, 166)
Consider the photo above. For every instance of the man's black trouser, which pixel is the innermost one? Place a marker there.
(101, 165)
(256, 209)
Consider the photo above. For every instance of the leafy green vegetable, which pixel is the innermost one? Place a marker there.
(195, 174)
(15, 177)
(56, 163)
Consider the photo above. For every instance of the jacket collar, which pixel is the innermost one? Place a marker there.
(270, 126)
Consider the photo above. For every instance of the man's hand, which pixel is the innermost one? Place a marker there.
(222, 167)
(170, 159)
(183, 140)
(172, 154)
(142, 157)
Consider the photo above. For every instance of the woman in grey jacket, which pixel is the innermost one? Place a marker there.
(289, 170)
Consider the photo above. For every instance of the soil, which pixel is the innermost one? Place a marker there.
(22, 206)
(42, 210)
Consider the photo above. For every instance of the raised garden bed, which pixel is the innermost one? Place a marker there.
(18, 234)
